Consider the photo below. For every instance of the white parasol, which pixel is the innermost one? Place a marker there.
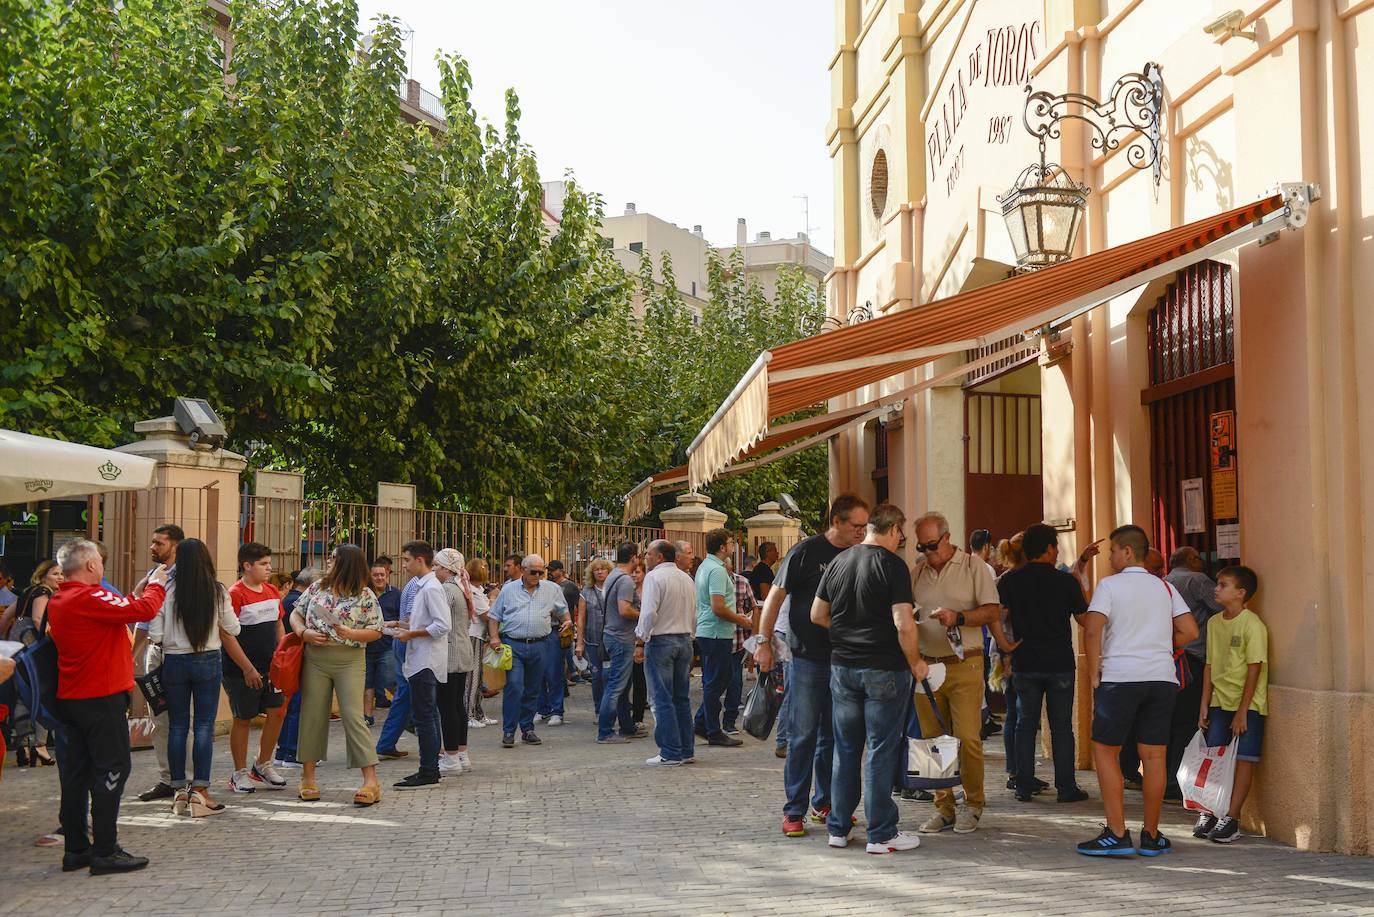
(37, 468)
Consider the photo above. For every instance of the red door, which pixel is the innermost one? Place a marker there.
(1003, 492)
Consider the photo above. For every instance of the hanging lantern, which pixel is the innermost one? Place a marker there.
(1043, 212)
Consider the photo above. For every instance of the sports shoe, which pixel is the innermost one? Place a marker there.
(157, 791)
(490, 721)
(391, 754)
(819, 814)
(966, 820)
(794, 826)
(691, 760)
(1204, 824)
(641, 731)
(918, 795)
(555, 720)
(1133, 783)
(463, 761)
(477, 724)
(282, 764)
(265, 774)
(899, 841)
(614, 739)
(529, 738)
(935, 824)
(539, 717)
(118, 861)
(730, 730)
(416, 781)
(660, 761)
(721, 740)
(836, 840)
(1108, 844)
(508, 740)
(449, 766)
(1038, 786)
(780, 751)
(369, 721)
(240, 782)
(1153, 845)
(1077, 794)
(1226, 831)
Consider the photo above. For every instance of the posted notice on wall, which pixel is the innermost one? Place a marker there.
(1194, 517)
(1228, 540)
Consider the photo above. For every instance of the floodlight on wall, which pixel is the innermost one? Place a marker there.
(199, 421)
(1044, 207)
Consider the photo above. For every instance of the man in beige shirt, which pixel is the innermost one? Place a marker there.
(955, 596)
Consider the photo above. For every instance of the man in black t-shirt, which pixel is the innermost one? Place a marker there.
(809, 734)
(761, 577)
(865, 599)
(1041, 599)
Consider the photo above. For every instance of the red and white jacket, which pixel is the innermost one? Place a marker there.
(90, 626)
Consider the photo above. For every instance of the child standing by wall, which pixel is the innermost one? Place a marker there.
(1235, 695)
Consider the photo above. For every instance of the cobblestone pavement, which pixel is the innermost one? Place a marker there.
(571, 827)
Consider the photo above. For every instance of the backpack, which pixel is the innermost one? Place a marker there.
(35, 687)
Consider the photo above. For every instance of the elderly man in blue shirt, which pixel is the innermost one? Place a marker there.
(522, 616)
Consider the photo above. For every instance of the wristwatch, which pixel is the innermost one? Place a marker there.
(959, 619)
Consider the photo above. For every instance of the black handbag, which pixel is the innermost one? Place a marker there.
(153, 691)
(762, 705)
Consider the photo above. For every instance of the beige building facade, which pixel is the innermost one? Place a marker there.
(1224, 406)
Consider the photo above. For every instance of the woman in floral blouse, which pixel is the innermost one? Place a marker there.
(335, 617)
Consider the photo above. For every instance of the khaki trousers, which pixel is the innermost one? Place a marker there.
(326, 672)
(960, 699)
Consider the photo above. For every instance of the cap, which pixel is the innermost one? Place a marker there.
(449, 559)
(555, 564)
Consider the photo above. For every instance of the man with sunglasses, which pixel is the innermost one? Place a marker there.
(522, 616)
(956, 595)
(810, 733)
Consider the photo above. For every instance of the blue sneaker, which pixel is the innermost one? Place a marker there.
(1108, 844)
(1153, 845)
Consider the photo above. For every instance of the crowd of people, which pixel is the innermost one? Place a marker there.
(868, 650)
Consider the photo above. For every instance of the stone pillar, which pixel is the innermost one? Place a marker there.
(195, 488)
(771, 525)
(690, 520)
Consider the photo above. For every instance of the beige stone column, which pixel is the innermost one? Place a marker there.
(771, 525)
(690, 520)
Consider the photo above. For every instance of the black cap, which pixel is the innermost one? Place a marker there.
(554, 565)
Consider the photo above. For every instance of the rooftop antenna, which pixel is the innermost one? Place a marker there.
(806, 210)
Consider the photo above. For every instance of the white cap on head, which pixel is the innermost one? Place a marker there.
(450, 559)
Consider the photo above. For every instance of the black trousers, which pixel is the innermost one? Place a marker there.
(639, 693)
(453, 709)
(96, 767)
(1185, 719)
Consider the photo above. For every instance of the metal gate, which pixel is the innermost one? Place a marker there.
(1192, 376)
(1003, 491)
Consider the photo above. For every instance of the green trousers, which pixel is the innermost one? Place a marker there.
(327, 671)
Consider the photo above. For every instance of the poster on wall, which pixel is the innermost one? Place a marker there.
(1194, 517)
(1225, 501)
(1228, 541)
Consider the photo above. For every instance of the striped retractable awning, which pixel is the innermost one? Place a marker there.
(815, 369)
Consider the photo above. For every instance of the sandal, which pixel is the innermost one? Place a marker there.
(309, 793)
(201, 806)
(181, 803)
(367, 795)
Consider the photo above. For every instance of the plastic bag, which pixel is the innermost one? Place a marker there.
(762, 705)
(1207, 774)
(501, 658)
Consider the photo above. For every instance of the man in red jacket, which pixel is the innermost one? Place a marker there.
(95, 673)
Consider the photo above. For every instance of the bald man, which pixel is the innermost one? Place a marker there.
(522, 616)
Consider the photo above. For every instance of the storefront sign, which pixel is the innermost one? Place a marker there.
(1228, 541)
(1194, 518)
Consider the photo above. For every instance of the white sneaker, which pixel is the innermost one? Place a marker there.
(658, 761)
(899, 841)
(240, 782)
(477, 724)
(265, 774)
(837, 841)
(463, 761)
(966, 820)
(489, 721)
(449, 765)
(286, 765)
(539, 717)
(555, 720)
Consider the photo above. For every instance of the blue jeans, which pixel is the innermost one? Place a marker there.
(290, 729)
(868, 717)
(424, 704)
(734, 691)
(379, 673)
(1056, 690)
(810, 736)
(398, 717)
(521, 694)
(668, 663)
(615, 695)
(551, 687)
(1009, 724)
(784, 711)
(596, 674)
(715, 678)
(192, 681)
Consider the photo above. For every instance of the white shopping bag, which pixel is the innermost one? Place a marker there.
(1207, 775)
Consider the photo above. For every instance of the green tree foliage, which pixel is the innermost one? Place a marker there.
(361, 298)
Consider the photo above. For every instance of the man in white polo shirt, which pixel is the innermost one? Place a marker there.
(1135, 621)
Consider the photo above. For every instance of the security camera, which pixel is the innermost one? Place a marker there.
(1229, 24)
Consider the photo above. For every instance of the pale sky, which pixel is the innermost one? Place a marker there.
(698, 112)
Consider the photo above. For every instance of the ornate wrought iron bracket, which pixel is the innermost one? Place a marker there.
(855, 316)
(1135, 104)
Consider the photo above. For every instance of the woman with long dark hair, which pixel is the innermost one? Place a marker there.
(190, 626)
(336, 617)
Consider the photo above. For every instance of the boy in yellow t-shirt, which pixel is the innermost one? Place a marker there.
(1235, 691)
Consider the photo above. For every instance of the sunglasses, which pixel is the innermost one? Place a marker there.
(535, 572)
(925, 547)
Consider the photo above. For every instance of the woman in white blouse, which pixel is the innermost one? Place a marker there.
(189, 628)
